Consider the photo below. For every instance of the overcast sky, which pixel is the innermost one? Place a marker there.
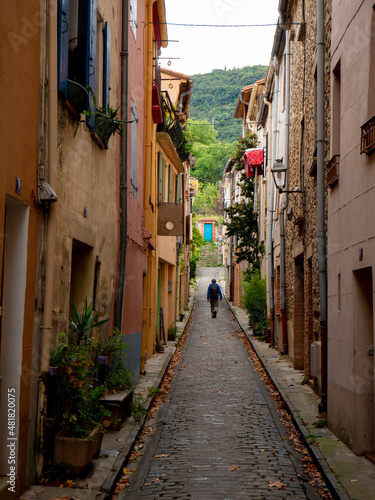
(202, 49)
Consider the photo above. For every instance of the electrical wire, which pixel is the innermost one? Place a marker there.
(221, 25)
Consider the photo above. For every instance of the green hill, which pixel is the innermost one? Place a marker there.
(215, 94)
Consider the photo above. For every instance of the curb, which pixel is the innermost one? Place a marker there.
(336, 490)
(113, 476)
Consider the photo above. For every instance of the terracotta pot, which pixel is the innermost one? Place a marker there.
(77, 453)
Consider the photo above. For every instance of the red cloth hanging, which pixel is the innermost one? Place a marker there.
(253, 159)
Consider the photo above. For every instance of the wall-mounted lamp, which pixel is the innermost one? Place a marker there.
(278, 171)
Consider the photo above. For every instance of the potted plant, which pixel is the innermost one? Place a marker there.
(81, 324)
(107, 122)
(77, 407)
(113, 375)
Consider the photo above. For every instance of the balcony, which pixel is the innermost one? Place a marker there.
(368, 136)
(172, 126)
(333, 170)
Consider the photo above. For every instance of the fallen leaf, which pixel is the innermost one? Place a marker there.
(353, 480)
(277, 484)
(121, 440)
(233, 468)
(163, 455)
(127, 471)
(262, 450)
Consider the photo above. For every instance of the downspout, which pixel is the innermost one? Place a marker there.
(121, 278)
(271, 200)
(52, 180)
(284, 196)
(321, 202)
(46, 326)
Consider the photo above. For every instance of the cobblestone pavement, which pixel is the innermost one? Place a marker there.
(219, 437)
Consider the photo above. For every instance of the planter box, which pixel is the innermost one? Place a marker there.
(77, 453)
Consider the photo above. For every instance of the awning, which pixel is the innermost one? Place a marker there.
(253, 159)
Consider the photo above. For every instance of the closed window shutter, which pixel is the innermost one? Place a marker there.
(106, 65)
(170, 184)
(133, 149)
(91, 55)
(160, 177)
(63, 46)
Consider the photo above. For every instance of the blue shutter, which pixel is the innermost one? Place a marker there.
(107, 59)
(63, 45)
(91, 55)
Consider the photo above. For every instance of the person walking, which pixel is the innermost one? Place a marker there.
(213, 294)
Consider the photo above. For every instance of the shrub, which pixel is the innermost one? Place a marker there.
(255, 299)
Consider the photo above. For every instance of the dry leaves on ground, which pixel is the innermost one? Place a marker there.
(277, 484)
(308, 466)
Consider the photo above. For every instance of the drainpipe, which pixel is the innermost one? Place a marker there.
(321, 202)
(271, 199)
(284, 196)
(50, 220)
(121, 278)
(52, 178)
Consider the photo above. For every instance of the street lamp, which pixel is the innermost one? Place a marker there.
(278, 171)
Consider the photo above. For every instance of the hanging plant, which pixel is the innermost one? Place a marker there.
(106, 119)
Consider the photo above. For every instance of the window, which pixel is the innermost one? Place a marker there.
(336, 110)
(78, 42)
(133, 149)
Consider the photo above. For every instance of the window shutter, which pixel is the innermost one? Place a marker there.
(160, 177)
(106, 71)
(133, 17)
(91, 55)
(133, 149)
(170, 184)
(63, 45)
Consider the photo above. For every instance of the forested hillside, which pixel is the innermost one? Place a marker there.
(215, 95)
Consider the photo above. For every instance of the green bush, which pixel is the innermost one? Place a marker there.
(255, 300)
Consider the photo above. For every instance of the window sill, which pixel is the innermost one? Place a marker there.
(98, 140)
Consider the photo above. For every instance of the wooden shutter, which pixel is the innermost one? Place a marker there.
(170, 184)
(90, 75)
(133, 149)
(160, 177)
(63, 46)
(106, 65)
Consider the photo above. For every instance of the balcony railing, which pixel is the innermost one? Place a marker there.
(172, 126)
(368, 136)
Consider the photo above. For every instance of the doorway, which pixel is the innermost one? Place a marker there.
(207, 231)
(12, 318)
(363, 326)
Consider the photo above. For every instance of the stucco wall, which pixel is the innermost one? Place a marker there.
(351, 233)
(87, 207)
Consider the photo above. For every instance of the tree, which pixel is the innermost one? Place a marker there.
(208, 200)
(243, 221)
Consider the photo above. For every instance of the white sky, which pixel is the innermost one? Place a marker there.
(202, 49)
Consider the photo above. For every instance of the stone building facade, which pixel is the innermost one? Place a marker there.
(302, 270)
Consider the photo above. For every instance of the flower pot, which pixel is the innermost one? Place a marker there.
(77, 453)
(77, 95)
(182, 317)
(103, 360)
(53, 371)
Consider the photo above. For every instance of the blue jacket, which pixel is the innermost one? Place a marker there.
(219, 290)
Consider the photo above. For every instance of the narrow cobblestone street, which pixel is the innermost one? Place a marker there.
(220, 435)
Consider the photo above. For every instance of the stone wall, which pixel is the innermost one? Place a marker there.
(301, 225)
